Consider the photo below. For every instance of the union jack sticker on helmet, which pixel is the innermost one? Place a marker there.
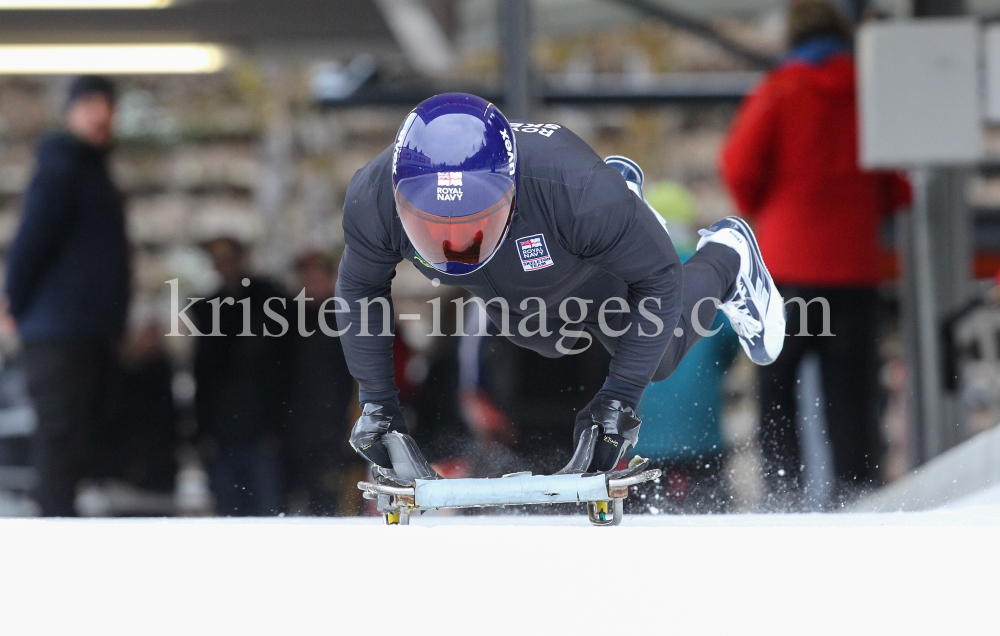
(449, 179)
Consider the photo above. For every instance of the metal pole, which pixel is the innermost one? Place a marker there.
(959, 270)
(927, 359)
(938, 198)
(515, 52)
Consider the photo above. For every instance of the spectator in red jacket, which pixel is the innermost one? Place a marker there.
(791, 163)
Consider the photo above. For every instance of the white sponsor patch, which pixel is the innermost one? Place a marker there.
(534, 253)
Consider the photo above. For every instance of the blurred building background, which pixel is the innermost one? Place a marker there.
(263, 147)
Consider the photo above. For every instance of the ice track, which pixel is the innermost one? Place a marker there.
(900, 573)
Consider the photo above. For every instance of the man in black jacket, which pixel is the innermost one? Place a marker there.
(242, 384)
(319, 394)
(68, 289)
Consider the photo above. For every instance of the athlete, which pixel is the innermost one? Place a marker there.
(528, 213)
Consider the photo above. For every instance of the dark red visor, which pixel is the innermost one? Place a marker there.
(466, 240)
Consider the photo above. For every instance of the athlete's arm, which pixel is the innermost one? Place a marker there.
(617, 232)
(366, 272)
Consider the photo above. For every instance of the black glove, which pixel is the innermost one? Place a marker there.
(377, 419)
(605, 430)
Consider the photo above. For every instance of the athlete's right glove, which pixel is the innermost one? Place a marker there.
(380, 436)
(377, 419)
(605, 430)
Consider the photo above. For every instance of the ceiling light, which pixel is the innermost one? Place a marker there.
(68, 59)
(84, 4)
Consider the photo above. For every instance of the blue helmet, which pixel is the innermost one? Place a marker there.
(455, 174)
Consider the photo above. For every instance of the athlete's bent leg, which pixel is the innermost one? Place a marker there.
(708, 276)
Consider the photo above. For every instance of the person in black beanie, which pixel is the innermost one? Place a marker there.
(68, 278)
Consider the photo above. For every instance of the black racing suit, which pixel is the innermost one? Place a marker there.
(602, 241)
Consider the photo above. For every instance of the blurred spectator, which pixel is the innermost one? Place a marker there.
(791, 162)
(68, 290)
(321, 393)
(142, 422)
(242, 385)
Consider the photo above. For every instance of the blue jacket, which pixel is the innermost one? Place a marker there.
(68, 268)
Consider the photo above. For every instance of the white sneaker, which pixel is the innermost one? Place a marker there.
(754, 307)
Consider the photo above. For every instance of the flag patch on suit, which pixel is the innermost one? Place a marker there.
(533, 252)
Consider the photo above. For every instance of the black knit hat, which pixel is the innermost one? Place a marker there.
(811, 18)
(88, 85)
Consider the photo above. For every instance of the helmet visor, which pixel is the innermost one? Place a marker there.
(470, 239)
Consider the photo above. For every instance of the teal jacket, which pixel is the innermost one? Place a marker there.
(682, 415)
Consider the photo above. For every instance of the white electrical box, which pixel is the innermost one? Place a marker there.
(919, 97)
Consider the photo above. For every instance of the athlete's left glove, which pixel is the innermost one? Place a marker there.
(377, 419)
(605, 430)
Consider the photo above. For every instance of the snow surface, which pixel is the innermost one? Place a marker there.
(932, 572)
